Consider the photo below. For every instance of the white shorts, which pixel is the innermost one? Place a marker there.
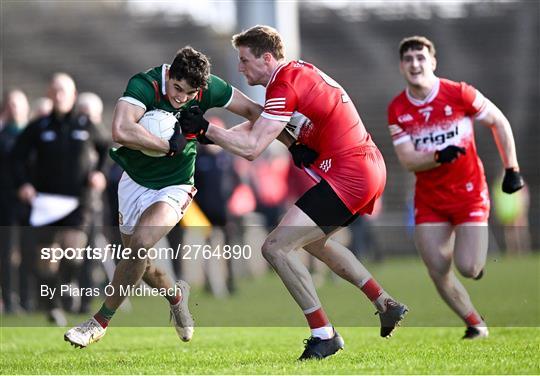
(134, 199)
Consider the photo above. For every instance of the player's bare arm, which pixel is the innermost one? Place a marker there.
(247, 143)
(284, 137)
(243, 106)
(127, 132)
(246, 126)
(414, 160)
(502, 133)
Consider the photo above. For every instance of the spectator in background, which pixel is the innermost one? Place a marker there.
(216, 179)
(431, 124)
(91, 105)
(512, 213)
(57, 148)
(13, 119)
(363, 240)
(41, 107)
(15, 110)
(268, 178)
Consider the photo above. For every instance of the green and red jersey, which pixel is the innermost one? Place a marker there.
(147, 90)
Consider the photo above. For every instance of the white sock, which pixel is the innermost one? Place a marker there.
(380, 302)
(326, 332)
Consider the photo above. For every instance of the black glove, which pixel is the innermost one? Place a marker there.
(448, 154)
(302, 155)
(513, 181)
(193, 122)
(177, 142)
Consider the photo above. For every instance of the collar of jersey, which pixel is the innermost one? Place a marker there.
(430, 97)
(275, 72)
(164, 70)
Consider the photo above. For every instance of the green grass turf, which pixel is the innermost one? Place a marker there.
(259, 331)
(270, 351)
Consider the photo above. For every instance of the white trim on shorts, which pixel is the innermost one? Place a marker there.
(134, 199)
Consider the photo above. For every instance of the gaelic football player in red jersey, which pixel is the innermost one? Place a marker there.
(333, 147)
(431, 124)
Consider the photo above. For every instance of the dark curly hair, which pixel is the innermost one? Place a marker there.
(192, 66)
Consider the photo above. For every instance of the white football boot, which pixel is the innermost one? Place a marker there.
(85, 333)
(476, 332)
(180, 316)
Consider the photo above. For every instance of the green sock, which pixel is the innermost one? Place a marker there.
(106, 313)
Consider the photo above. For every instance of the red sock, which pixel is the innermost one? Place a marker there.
(104, 315)
(317, 319)
(173, 300)
(372, 289)
(102, 320)
(473, 319)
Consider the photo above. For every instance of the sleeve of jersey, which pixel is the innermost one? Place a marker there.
(139, 92)
(280, 102)
(397, 133)
(475, 103)
(218, 94)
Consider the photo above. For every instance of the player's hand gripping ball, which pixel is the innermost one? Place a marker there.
(177, 142)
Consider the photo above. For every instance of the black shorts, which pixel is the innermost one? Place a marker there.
(78, 219)
(325, 207)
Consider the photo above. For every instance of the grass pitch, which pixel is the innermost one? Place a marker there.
(260, 331)
(271, 351)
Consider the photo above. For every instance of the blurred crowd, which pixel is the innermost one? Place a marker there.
(81, 205)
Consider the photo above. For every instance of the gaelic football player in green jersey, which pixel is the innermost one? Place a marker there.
(154, 192)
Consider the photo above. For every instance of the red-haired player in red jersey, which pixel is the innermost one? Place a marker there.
(335, 149)
(431, 123)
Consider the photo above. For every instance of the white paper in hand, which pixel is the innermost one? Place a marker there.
(48, 208)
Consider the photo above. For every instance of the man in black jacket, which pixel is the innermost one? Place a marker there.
(54, 171)
(13, 118)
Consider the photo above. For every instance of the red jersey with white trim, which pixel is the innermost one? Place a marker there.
(322, 116)
(445, 117)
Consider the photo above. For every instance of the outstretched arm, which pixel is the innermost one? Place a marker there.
(247, 142)
(242, 105)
